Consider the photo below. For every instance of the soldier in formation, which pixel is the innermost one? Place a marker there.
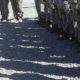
(63, 16)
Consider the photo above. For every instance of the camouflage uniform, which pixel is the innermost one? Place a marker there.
(46, 9)
(17, 8)
(74, 16)
(59, 14)
(50, 8)
(4, 9)
(51, 13)
(40, 7)
(53, 10)
(66, 18)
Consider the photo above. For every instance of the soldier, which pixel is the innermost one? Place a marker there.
(66, 20)
(74, 17)
(4, 10)
(51, 14)
(57, 16)
(17, 9)
(59, 4)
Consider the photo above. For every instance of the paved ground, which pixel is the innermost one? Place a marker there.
(30, 52)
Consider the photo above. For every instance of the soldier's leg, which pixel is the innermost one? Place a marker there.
(4, 9)
(17, 8)
(49, 13)
(38, 8)
(46, 12)
(14, 6)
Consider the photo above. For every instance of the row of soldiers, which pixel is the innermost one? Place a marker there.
(16, 6)
(61, 16)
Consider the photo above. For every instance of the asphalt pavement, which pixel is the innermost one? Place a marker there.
(29, 51)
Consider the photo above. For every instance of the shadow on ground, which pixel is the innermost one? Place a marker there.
(30, 52)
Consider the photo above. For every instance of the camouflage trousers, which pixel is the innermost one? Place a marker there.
(38, 8)
(41, 9)
(4, 8)
(17, 8)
